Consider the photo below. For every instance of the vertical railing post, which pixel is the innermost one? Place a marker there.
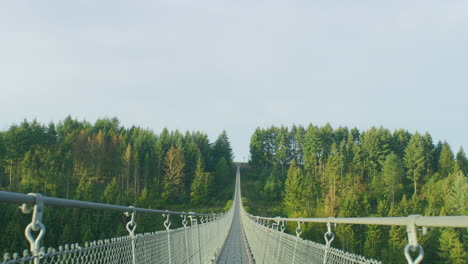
(298, 234)
(281, 228)
(131, 226)
(184, 223)
(212, 236)
(275, 228)
(267, 224)
(202, 239)
(218, 236)
(195, 220)
(329, 237)
(167, 225)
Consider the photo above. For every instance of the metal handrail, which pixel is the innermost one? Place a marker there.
(411, 222)
(14, 197)
(460, 221)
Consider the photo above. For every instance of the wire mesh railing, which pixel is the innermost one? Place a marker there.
(201, 237)
(269, 243)
(199, 240)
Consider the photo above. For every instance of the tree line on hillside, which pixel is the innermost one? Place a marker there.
(106, 162)
(321, 172)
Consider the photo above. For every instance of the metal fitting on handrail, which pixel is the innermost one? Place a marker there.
(167, 222)
(184, 220)
(131, 225)
(283, 226)
(298, 229)
(413, 241)
(192, 218)
(35, 225)
(329, 235)
(167, 225)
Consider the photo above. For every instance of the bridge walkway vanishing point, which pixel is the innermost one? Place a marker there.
(231, 237)
(235, 246)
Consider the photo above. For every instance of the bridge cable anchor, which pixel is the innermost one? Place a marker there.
(35, 225)
(413, 241)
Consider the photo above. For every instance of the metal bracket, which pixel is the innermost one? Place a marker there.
(329, 235)
(413, 241)
(277, 223)
(184, 220)
(298, 229)
(131, 225)
(35, 225)
(167, 223)
(282, 227)
(192, 219)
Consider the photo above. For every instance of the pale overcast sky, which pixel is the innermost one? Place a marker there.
(236, 65)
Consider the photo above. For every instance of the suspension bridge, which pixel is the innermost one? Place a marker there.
(231, 237)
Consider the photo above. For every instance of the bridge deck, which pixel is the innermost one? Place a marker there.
(235, 250)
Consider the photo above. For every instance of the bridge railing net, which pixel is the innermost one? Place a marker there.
(195, 243)
(270, 245)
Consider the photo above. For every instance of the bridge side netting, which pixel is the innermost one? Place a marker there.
(198, 243)
(269, 245)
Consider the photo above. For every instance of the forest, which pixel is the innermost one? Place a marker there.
(295, 172)
(320, 172)
(106, 162)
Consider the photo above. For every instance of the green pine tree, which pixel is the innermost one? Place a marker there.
(174, 177)
(451, 249)
(462, 161)
(201, 185)
(446, 162)
(223, 173)
(294, 191)
(392, 174)
(415, 161)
